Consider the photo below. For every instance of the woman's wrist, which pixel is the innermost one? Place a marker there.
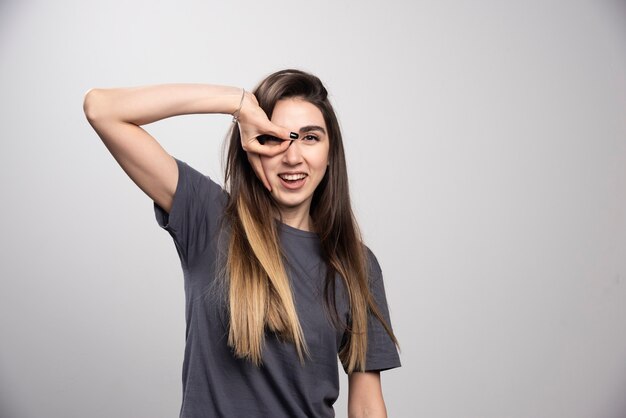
(237, 112)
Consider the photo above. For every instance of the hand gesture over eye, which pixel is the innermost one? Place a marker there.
(259, 136)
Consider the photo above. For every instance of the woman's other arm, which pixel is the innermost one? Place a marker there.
(365, 396)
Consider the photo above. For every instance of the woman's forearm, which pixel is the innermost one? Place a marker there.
(365, 396)
(146, 104)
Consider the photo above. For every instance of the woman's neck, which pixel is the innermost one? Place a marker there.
(297, 218)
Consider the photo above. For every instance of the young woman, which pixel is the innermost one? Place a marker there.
(278, 283)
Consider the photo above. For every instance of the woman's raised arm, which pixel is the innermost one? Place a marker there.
(117, 113)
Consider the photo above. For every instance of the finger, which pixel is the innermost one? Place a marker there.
(269, 149)
(282, 133)
(255, 161)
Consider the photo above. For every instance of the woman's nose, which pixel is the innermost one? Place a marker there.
(293, 155)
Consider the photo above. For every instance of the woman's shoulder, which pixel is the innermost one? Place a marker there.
(197, 199)
(372, 261)
(198, 181)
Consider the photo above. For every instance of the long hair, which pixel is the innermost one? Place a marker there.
(259, 291)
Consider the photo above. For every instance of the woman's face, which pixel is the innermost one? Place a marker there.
(295, 173)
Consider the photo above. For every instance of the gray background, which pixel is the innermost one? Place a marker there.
(486, 145)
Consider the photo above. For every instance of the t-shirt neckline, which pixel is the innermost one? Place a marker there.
(295, 231)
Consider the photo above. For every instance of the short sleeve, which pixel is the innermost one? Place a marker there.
(196, 209)
(381, 350)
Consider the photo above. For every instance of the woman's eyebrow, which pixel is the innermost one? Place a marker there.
(310, 128)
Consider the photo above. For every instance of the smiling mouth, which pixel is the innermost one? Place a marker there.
(292, 177)
(293, 181)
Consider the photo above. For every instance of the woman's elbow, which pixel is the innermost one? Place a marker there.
(367, 411)
(92, 104)
(371, 407)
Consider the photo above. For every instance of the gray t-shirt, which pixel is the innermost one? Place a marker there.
(215, 382)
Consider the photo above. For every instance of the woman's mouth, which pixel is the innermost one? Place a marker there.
(293, 181)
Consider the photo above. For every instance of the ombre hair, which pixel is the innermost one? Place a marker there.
(258, 288)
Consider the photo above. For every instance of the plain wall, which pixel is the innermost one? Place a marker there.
(486, 144)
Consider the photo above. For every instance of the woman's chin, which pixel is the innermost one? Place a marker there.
(291, 204)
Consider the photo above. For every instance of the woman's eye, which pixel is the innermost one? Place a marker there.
(310, 138)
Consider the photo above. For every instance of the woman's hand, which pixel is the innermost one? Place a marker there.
(253, 122)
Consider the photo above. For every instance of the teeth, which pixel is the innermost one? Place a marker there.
(293, 176)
